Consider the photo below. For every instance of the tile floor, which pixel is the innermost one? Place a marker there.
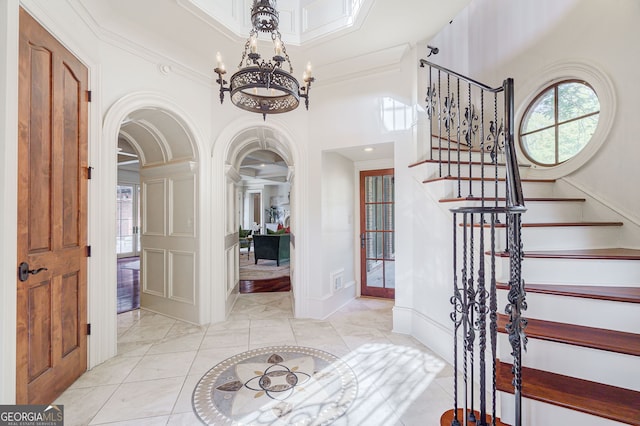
(160, 360)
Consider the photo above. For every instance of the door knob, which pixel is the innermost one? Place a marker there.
(24, 271)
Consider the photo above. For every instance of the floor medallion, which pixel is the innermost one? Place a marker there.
(277, 385)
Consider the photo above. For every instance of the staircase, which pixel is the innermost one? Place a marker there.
(583, 297)
(582, 309)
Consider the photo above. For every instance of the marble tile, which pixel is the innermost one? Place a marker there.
(183, 404)
(225, 338)
(177, 343)
(161, 360)
(148, 421)
(139, 400)
(238, 324)
(181, 328)
(166, 365)
(268, 343)
(129, 349)
(82, 404)
(184, 419)
(110, 372)
(148, 334)
(205, 360)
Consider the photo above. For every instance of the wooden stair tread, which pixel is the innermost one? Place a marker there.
(578, 335)
(463, 163)
(615, 294)
(447, 418)
(598, 399)
(527, 200)
(605, 254)
(486, 179)
(555, 224)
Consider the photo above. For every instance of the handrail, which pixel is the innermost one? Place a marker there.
(424, 62)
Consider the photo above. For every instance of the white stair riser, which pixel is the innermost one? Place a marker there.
(545, 211)
(585, 363)
(433, 170)
(537, 211)
(596, 313)
(575, 271)
(565, 237)
(552, 238)
(533, 189)
(535, 413)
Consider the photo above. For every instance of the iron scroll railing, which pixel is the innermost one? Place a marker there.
(471, 127)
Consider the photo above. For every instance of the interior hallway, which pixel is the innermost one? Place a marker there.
(160, 360)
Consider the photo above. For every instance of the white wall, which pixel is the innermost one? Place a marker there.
(338, 226)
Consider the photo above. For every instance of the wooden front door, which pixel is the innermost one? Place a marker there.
(377, 233)
(52, 217)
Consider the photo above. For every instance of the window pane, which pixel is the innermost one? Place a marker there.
(575, 100)
(389, 248)
(541, 146)
(388, 188)
(390, 274)
(375, 273)
(541, 114)
(575, 135)
(388, 217)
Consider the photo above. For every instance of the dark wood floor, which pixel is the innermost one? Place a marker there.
(128, 284)
(267, 285)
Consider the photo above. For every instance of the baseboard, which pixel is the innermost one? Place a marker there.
(430, 333)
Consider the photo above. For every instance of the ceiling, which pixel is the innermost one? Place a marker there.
(188, 33)
(323, 31)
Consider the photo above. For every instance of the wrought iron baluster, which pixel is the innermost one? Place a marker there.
(472, 301)
(471, 338)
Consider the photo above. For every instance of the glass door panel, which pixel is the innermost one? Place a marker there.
(128, 220)
(377, 233)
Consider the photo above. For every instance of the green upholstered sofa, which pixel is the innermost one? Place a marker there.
(271, 247)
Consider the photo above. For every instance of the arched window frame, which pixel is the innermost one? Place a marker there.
(556, 121)
(527, 90)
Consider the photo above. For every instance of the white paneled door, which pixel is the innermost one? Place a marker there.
(168, 255)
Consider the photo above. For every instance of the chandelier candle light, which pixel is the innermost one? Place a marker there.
(259, 85)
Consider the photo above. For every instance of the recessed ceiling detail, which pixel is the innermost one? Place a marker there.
(300, 20)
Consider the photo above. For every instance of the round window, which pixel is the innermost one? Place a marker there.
(559, 122)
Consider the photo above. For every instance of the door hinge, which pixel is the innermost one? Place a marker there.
(89, 172)
(88, 248)
(88, 95)
(88, 329)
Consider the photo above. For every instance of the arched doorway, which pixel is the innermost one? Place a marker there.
(166, 147)
(237, 141)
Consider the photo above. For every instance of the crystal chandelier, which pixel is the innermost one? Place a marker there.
(260, 85)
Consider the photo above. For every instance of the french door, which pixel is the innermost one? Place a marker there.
(128, 220)
(377, 233)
